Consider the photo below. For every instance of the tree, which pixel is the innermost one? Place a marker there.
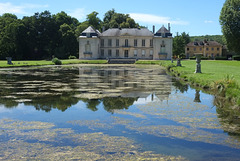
(81, 28)
(9, 36)
(93, 20)
(179, 43)
(230, 23)
(68, 44)
(113, 19)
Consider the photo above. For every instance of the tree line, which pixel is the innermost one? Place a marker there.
(45, 35)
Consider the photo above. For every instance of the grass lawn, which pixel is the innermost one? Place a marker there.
(3, 63)
(212, 70)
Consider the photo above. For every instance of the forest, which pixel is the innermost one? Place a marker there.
(45, 35)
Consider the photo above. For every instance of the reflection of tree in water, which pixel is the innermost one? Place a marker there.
(91, 103)
(112, 103)
(8, 103)
(179, 86)
(55, 102)
(228, 116)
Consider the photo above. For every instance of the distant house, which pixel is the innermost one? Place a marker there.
(138, 43)
(207, 48)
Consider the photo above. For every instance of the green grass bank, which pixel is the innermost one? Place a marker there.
(3, 63)
(220, 77)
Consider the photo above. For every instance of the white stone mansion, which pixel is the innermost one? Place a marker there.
(138, 43)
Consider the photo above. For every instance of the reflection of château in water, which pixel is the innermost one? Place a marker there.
(115, 81)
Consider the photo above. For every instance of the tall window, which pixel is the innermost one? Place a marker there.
(212, 49)
(109, 42)
(126, 42)
(151, 52)
(117, 53)
(151, 43)
(102, 42)
(135, 53)
(143, 53)
(207, 49)
(109, 52)
(143, 42)
(126, 53)
(135, 42)
(117, 42)
(102, 52)
(162, 49)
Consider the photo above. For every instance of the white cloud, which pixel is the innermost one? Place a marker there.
(208, 21)
(19, 9)
(153, 19)
(78, 13)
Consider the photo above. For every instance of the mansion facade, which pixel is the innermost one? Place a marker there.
(137, 43)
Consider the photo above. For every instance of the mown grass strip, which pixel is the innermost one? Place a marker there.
(3, 63)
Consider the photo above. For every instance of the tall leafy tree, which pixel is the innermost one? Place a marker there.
(179, 42)
(81, 28)
(9, 35)
(68, 44)
(113, 19)
(230, 23)
(93, 20)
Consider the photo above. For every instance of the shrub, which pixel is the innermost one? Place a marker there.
(204, 58)
(56, 61)
(236, 57)
(221, 58)
(72, 57)
(192, 58)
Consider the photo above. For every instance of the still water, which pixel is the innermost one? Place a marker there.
(111, 113)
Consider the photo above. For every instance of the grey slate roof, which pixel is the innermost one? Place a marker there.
(127, 31)
(90, 29)
(163, 30)
(204, 43)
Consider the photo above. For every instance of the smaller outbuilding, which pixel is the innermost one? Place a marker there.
(209, 49)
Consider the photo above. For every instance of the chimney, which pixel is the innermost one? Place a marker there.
(103, 28)
(169, 27)
(153, 29)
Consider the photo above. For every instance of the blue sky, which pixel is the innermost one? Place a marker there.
(193, 17)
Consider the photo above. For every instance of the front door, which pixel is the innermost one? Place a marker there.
(126, 53)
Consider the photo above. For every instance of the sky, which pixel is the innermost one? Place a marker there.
(193, 17)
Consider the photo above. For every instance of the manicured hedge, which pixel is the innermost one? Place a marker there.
(221, 58)
(237, 57)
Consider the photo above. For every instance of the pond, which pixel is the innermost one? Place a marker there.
(109, 112)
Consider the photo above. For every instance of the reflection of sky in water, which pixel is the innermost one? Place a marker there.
(160, 117)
